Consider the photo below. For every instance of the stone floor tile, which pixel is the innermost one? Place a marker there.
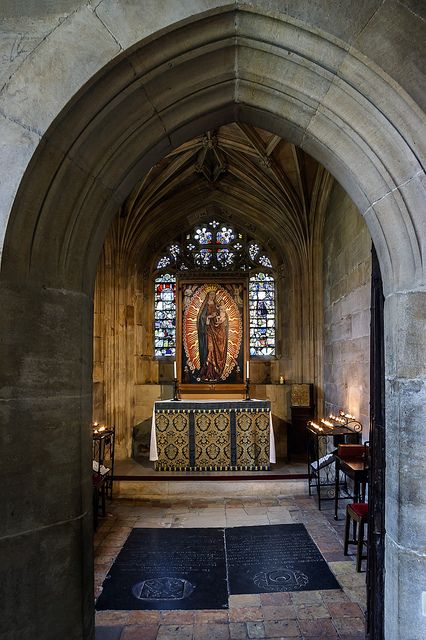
(359, 598)
(280, 612)
(308, 597)
(108, 633)
(245, 614)
(104, 558)
(280, 520)
(205, 616)
(345, 610)
(255, 630)
(109, 549)
(318, 629)
(255, 511)
(108, 618)
(334, 595)
(306, 611)
(175, 632)
(119, 528)
(140, 632)
(275, 599)
(119, 538)
(101, 570)
(246, 521)
(349, 625)
(143, 617)
(342, 568)
(242, 600)
(246, 611)
(237, 631)
(333, 556)
(351, 580)
(280, 628)
(237, 506)
(177, 617)
(215, 631)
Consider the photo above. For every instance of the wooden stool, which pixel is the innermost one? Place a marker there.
(358, 512)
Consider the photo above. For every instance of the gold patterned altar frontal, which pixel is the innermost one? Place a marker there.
(252, 430)
(226, 439)
(172, 441)
(212, 441)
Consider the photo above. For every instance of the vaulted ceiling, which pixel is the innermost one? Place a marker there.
(246, 175)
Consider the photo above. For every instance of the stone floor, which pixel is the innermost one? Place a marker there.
(304, 615)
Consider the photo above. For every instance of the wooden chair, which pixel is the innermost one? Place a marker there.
(100, 479)
(358, 513)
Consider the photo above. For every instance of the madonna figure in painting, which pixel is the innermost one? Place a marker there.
(212, 337)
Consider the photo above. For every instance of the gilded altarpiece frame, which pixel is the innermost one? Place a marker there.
(212, 344)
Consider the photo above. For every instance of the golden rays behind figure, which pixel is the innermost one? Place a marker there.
(212, 332)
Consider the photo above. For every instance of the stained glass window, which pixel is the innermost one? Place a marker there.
(216, 246)
(203, 235)
(224, 236)
(203, 257)
(253, 250)
(225, 257)
(163, 262)
(265, 262)
(262, 314)
(165, 315)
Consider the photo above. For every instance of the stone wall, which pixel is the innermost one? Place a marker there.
(347, 276)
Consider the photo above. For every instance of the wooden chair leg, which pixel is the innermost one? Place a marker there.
(103, 499)
(360, 546)
(347, 527)
(354, 529)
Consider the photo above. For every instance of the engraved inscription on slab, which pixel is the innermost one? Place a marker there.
(281, 580)
(165, 588)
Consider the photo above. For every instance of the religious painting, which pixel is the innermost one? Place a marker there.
(212, 319)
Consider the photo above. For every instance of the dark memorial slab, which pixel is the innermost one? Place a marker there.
(273, 558)
(187, 568)
(168, 569)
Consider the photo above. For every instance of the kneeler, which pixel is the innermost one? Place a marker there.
(358, 512)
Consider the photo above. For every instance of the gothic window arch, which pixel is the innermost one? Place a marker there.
(215, 246)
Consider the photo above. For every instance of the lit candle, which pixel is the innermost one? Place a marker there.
(281, 379)
(248, 369)
(174, 370)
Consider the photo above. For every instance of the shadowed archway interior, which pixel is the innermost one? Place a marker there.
(251, 179)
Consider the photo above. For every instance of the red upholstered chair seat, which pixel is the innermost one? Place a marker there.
(359, 508)
(357, 513)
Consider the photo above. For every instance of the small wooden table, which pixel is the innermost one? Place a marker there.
(355, 469)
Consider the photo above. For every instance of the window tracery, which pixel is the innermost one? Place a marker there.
(216, 246)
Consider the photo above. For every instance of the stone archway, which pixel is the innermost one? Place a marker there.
(230, 65)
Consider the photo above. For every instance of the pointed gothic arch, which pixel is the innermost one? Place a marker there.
(236, 64)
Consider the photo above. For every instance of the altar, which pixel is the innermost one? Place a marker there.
(207, 435)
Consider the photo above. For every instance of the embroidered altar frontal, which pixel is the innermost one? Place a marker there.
(212, 436)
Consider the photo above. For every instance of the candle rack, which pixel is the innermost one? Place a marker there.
(341, 428)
